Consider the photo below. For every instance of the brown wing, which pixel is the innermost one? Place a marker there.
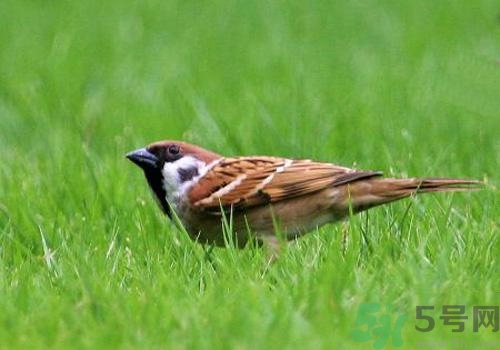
(240, 183)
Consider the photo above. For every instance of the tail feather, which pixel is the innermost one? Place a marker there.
(370, 193)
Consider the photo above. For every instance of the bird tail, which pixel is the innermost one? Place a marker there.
(369, 193)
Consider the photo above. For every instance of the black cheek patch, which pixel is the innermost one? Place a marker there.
(187, 174)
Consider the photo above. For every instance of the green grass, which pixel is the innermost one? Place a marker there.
(88, 261)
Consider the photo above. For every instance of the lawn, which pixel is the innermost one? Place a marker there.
(88, 261)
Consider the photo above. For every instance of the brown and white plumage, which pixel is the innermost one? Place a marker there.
(261, 192)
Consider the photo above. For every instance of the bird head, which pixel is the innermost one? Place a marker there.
(170, 168)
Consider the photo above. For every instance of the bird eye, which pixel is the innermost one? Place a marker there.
(173, 150)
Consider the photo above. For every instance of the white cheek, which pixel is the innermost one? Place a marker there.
(172, 183)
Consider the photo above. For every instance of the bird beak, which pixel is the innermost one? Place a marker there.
(143, 158)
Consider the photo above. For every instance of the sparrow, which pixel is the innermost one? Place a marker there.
(263, 195)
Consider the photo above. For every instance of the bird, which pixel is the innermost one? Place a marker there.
(266, 199)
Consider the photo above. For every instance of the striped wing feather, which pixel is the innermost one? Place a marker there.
(240, 183)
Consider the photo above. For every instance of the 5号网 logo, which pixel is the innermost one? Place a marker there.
(380, 325)
(454, 315)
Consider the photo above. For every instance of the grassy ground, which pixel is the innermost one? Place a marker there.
(87, 260)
